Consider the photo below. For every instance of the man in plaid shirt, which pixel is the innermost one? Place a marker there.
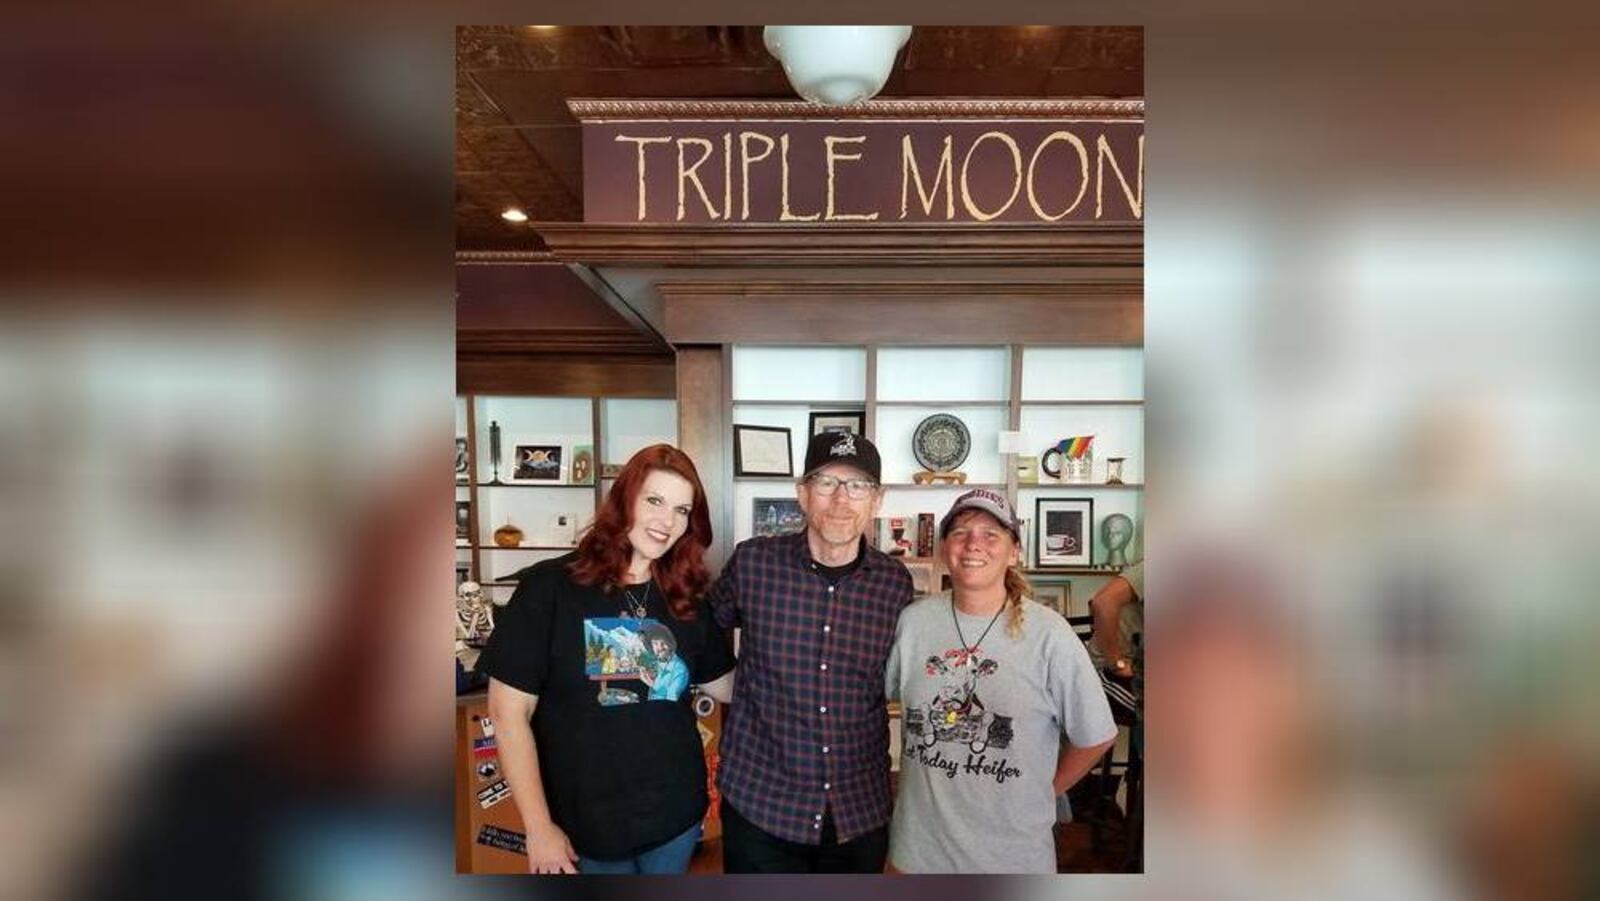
(805, 750)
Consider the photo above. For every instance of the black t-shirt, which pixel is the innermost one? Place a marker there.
(618, 747)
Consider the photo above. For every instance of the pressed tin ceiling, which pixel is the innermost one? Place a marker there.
(518, 145)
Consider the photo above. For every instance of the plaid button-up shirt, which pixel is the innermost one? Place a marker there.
(808, 731)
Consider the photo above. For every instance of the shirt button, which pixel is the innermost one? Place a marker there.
(824, 749)
(824, 667)
(822, 710)
(827, 786)
(819, 816)
(816, 825)
(827, 628)
(830, 589)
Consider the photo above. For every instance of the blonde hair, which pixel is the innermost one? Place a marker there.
(1017, 587)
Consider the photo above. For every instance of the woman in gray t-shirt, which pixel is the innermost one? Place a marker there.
(988, 681)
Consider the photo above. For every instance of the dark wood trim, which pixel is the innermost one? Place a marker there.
(473, 537)
(520, 342)
(615, 301)
(748, 244)
(942, 312)
(703, 390)
(505, 258)
(565, 376)
(599, 110)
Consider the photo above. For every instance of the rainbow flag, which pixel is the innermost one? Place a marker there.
(1077, 447)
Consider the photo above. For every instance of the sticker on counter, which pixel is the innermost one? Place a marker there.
(493, 794)
(482, 747)
(504, 839)
(488, 770)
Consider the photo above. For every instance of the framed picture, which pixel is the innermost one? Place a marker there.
(461, 459)
(852, 421)
(610, 470)
(463, 571)
(761, 450)
(1064, 531)
(775, 516)
(583, 464)
(463, 520)
(1055, 595)
(537, 463)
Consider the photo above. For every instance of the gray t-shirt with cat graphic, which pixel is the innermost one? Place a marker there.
(981, 734)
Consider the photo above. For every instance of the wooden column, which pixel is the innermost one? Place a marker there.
(704, 434)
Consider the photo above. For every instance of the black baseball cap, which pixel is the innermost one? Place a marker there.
(846, 448)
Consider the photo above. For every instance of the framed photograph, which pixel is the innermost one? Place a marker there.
(463, 571)
(537, 463)
(775, 516)
(1064, 531)
(583, 464)
(852, 421)
(461, 459)
(463, 520)
(1055, 595)
(761, 450)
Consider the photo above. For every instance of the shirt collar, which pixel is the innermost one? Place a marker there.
(800, 553)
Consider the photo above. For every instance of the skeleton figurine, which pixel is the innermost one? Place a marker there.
(474, 622)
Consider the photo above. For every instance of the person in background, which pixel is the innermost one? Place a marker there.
(1118, 610)
(805, 750)
(985, 704)
(609, 776)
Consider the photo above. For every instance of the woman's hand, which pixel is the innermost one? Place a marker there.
(549, 851)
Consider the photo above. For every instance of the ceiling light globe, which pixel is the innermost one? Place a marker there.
(836, 65)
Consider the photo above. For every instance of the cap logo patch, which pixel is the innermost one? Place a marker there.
(844, 447)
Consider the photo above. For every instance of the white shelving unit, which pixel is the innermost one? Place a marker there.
(1061, 392)
(613, 428)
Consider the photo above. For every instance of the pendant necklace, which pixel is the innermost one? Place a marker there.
(636, 606)
(969, 651)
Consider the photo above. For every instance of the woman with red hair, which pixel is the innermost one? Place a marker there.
(597, 649)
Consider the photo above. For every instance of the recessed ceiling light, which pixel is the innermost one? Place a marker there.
(514, 215)
(543, 27)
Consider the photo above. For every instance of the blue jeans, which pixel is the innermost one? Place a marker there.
(670, 858)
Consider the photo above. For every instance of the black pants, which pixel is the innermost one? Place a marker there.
(747, 848)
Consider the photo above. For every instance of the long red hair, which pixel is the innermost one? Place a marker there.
(604, 552)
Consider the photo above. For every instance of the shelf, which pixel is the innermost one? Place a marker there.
(1072, 571)
(851, 405)
(944, 403)
(965, 486)
(532, 485)
(529, 547)
(1125, 486)
(1083, 403)
(765, 478)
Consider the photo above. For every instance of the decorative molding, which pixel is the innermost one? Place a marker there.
(975, 289)
(943, 311)
(594, 110)
(505, 257)
(530, 342)
(1008, 244)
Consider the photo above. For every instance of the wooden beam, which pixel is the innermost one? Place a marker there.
(565, 376)
(904, 312)
(722, 244)
(703, 434)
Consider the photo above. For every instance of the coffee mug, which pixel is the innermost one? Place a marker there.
(1075, 451)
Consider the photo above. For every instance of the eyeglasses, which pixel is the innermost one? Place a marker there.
(857, 489)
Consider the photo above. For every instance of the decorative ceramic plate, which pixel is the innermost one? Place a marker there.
(941, 442)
